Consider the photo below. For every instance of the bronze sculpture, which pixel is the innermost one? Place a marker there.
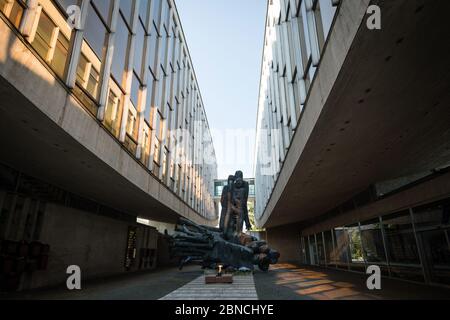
(226, 245)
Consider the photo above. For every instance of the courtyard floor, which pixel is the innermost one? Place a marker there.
(282, 282)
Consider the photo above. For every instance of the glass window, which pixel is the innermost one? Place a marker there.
(113, 114)
(149, 105)
(307, 251)
(146, 145)
(319, 23)
(143, 12)
(164, 165)
(120, 51)
(164, 47)
(313, 250)
(342, 247)
(356, 251)
(104, 8)
(158, 136)
(13, 11)
(126, 9)
(93, 82)
(166, 10)
(329, 247)
(320, 249)
(304, 36)
(43, 38)
(373, 244)
(95, 33)
(67, 3)
(132, 122)
(131, 130)
(156, 13)
(433, 232)
(51, 44)
(401, 245)
(135, 87)
(327, 11)
(139, 50)
(251, 188)
(152, 54)
(60, 55)
(87, 83)
(89, 66)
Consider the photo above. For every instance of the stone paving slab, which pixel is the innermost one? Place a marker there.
(243, 288)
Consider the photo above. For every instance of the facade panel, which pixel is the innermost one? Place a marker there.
(294, 40)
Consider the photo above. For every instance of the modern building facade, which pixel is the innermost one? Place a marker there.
(100, 104)
(352, 164)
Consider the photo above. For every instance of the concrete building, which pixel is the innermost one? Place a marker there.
(353, 136)
(101, 122)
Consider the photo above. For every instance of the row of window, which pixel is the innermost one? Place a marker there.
(296, 31)
(134, 74)
(13, 10)
(412, 245)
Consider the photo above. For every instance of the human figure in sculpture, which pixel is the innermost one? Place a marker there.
(240, 193)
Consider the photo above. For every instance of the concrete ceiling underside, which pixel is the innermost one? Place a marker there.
(32, 143)
(388, 114)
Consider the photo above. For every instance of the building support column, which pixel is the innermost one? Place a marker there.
(286, 240)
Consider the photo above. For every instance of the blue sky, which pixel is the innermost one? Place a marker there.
(225, 39)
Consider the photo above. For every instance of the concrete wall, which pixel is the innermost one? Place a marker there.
(286, 240)
(95, 243)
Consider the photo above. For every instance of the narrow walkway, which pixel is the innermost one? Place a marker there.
(242, 288)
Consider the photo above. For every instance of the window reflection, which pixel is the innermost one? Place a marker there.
(120, 51)
(433, 231)
(320, 249)
(373, 244)
(356, 250)
(342, 248)
(95, 33)
(104, 8)
(131, 130)
(402, 246)
(329, 247)
(146, 141)
(51, 44)
(126, 9)
(313, 250)
(327, 12)
(113, 113)
(92, 52)
(13, 10)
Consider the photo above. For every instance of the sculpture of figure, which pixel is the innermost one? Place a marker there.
(240, 191)
(224, 203)
(192, 242)
(227, 244)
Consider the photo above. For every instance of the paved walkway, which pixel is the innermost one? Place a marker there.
(133, 286)
(293, 282)
(282, 282)
(242, 288)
